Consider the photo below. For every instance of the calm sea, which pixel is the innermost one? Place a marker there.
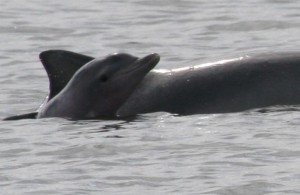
(247, 153)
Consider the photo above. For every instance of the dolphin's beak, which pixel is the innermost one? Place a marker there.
(143, 65)
(150, 60)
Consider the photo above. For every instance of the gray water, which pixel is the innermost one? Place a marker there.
(248, 153)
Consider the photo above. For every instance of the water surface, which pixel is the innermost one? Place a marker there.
(240, 153)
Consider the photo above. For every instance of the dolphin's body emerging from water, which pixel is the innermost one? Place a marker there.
(122, 85)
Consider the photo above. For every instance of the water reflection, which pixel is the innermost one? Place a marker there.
(100, 126)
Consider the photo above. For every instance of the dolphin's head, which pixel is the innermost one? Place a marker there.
(100, 87)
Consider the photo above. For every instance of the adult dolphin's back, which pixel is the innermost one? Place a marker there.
(60, 66)
(226, 86)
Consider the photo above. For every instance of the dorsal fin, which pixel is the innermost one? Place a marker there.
(60, 66)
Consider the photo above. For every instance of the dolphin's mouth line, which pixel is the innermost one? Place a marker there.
(147, 62)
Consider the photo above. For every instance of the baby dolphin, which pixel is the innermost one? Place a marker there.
(99, 88)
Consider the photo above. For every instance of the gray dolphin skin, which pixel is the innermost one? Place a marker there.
(225, 86)
(99, 88)
(78, 89)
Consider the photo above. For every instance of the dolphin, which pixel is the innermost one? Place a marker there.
(226, 86)
(109, 82)
(231, 85)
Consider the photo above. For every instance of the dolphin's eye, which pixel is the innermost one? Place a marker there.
(103, 78)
